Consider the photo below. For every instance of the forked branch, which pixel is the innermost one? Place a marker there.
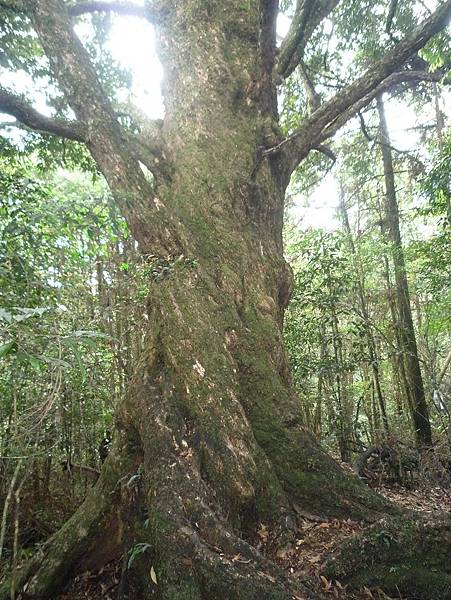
(387, 84)
(108, 142)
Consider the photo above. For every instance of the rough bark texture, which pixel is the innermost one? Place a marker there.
(210, 416)
(209, 440)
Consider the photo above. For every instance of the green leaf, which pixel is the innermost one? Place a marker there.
(136, 551)
(58, 362)
(35, 362)
(6, 349)
(27, 313)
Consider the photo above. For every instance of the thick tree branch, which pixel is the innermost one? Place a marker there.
(295, 34)
(388, 83)
(332, 115)
(121, 8)
(307, 17)
(70, 63)
(17, 107)
(77, 9)
(382, 69)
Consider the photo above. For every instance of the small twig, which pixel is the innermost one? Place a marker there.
(363, 127)
(327, 152)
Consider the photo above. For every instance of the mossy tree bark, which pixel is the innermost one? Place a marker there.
(209, 441)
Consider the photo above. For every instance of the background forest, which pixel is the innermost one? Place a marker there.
(371, 301)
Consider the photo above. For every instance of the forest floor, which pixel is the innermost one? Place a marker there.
(316, 539)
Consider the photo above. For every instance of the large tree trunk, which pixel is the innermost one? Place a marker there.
(209, 441)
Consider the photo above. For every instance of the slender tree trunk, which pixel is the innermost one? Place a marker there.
(367, 404)
(371, 346)
(340, 390)
(420, 413)
(439, 116)
(401, 388)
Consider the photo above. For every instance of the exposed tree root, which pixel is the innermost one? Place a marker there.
(161, 505)
(182, 493)
(407, 555)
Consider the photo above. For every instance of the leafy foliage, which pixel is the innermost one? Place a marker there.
(64, 303)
